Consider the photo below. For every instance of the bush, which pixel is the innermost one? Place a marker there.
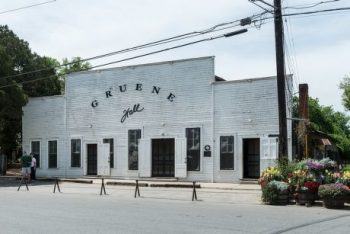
(286, 167)
(272, 191)
(335, 191)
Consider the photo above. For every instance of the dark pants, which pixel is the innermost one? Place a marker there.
(32, 173)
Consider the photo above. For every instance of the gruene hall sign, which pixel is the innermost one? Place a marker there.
(127, 112)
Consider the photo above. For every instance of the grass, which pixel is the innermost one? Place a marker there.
(346, 167)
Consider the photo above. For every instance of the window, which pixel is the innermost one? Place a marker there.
(226, 153)
(193, 136)
(52, 146)
(134, 136)
(36, 152)
(75, 152)
(111, 150)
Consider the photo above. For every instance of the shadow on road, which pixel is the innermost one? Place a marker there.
(15, 182)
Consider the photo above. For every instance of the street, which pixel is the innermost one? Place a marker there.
(80, 209)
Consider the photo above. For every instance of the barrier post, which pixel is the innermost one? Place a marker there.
(23, 179)
(58, 186)
(137, 189)
(194, 193)
(103, 187)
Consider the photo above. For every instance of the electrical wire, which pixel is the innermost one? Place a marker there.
(138, 56)
(215, 28)
(310, 5)
(25, 7)
(293, 64)
(168, 40)
(319, 11)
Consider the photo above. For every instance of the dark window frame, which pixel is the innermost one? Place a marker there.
(110, 141)
(134, 135)
(37, 154)
(75, 153)
(193, 140)
(227, 156)
(52, 154)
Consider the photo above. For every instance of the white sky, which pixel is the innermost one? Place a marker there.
(318, 46)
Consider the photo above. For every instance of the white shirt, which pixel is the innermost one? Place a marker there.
(33, 162)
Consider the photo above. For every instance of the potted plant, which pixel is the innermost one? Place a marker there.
(333, 195)
(275, 193)
(345, 179)
(307, 193)
(269, 174)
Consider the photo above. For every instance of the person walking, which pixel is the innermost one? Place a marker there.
(33, 167)
(26, 164)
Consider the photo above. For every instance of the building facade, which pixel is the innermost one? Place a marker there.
(169, 119)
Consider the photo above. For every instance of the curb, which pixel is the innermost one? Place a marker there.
(77, 181)
(126, 183)
(174, 185)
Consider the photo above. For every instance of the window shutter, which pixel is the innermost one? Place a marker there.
(180, 158)
(103, 160)
(145, 157)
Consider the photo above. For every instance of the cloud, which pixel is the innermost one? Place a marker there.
(83, 28)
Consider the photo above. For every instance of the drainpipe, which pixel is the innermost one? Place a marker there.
(213, 129)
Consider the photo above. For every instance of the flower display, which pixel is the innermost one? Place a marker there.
(275, 193)
(272, 173)
(335, 191)
(311, 186)
(298, 178)
(269, 174)
(344, 178)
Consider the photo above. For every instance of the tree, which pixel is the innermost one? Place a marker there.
(18, 82)
(326, 120)
(345, 86)
(73, 65)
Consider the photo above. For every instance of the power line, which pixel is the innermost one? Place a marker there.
(175, 47)
(139, 56)
(212, 29)
(319, 11)
(25, 7)
(310, 5)
(179, 37)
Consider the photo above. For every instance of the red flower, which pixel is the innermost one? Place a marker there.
(312, 186)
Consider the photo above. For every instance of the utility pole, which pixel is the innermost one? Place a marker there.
(303, 126)
(281, 81)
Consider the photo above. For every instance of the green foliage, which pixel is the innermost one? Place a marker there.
(286, 167)
(345, 86)
(73, 65)
(272, 191)
(333, 191)
(17, 58)
(346, 167)
(326, 119)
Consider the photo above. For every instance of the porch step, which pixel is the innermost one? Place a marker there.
(248, 181)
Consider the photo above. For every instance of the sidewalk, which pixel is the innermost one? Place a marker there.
(146, 182)
(167, 184)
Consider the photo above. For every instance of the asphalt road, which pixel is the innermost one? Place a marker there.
(80, 209)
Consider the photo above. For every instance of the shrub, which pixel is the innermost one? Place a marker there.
(335, 191)
(271, 192)
(311, 186)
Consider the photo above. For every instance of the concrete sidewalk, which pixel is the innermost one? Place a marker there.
(166, 183)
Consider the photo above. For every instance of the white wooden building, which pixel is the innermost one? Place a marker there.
(168, 119)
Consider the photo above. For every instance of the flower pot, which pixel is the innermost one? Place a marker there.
(263, 182)
(347, 199)
(305, 197)
(283, 198)
(333, 203)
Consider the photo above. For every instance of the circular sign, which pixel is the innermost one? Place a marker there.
(207, 148)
